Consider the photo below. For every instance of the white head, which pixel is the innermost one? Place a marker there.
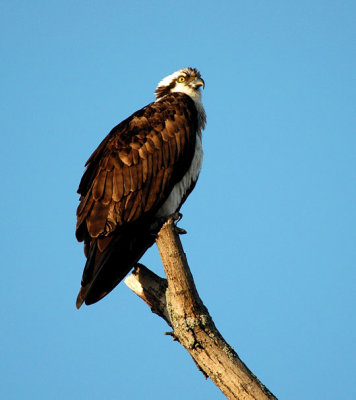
(186, 80)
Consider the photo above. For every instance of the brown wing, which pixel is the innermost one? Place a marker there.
(127, 179)
(136, 166)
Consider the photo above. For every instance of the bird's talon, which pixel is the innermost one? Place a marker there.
(180, 216)
(176, 217)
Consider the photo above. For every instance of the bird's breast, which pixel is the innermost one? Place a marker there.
(181, 189)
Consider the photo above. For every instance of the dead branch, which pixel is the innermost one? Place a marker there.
(176, 300)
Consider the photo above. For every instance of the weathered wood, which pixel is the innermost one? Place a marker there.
(177, 301)
(151, 288)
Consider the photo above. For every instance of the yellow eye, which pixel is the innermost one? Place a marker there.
(181, 79)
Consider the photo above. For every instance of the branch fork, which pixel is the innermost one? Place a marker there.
(177, 301)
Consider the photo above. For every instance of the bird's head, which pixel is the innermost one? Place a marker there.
(186, 80)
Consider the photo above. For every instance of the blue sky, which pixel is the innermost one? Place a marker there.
(271, 223)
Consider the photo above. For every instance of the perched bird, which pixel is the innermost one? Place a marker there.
(140, 174)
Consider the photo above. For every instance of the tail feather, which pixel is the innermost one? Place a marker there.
(104, 270)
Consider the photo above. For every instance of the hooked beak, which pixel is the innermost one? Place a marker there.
(199, 82)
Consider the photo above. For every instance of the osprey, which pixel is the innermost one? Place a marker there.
(140, 174)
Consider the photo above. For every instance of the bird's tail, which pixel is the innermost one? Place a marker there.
(106, 267)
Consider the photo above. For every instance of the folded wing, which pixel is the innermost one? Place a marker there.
(127, 179)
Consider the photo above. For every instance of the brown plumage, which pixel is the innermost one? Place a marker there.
(127, 179)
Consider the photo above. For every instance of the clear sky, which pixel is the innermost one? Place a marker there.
(271, 223)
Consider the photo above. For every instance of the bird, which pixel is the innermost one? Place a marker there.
(139, 175)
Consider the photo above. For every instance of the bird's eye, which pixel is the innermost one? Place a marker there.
(181, 79)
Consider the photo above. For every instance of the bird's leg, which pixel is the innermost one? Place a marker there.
(160, 221)
(176, 218)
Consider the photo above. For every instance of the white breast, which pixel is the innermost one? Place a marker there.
(174, 200)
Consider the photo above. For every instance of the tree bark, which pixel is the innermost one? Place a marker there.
(177, 301)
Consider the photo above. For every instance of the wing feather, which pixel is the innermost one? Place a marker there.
(139, 179)
(96, 226)
(99, 185)
(150, 146)
(108, 190)
(166, 156)
(134, 178)
(127, 179)
(129, 204)
(173, 149)
(136, 166)
(118, 185)
(155, 190)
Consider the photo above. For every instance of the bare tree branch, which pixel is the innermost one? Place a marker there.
(177, 301)
(151, 288)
